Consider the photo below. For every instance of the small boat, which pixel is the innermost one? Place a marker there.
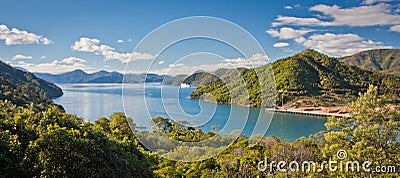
(184, 85)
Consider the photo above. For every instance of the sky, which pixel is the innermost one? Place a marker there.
(59, 36)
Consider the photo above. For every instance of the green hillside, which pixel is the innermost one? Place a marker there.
(308, 78)
(386, 60)
(23, 88)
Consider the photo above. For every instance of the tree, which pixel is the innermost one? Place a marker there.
(161, 124)
(370, 134)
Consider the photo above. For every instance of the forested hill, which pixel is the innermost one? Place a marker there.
(306, 78)
(386, 60)
(23, 88)
(199, 78)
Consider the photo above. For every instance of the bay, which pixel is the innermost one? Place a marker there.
(144, 101)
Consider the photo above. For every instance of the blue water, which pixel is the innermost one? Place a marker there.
(93, 101)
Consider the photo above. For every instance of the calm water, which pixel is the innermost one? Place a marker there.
(92, 101)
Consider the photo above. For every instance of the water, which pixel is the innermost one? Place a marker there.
(93, 101)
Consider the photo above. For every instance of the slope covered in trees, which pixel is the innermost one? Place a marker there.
(51, 143)
(306, 78)
(385, 60)
(24, 88)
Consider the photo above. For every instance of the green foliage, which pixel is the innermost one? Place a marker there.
(55, 144)
(307, 78)
(370, 134)
(385, 60)
(23, 88)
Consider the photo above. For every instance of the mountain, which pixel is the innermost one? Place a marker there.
(386, 60)
(79, 76)
(23, 88)
(308, 78)
(199, 78)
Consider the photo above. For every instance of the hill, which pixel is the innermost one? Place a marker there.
(23, 88)
(199, 78)
(308, 78)
(385, 60)
(79, 76)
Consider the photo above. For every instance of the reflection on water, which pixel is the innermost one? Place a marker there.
(92, 101)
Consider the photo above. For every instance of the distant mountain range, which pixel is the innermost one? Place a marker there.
(385, 60)
(306, 78)
(79, 76)
(22, 87)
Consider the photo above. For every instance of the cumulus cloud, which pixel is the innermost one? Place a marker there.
(42, 57)
(120, 41)
(362, 16)
(92, 45)
(287, 20)
(161, 62)
(288, 7)
(20, 56)
(395, 28)
(280, 45)
(379, 14)
(288, 33)
(340, 44)
(228, 63)
(369, 2)
(16, 36)
(73, 60)
(66, 64)
(86, 45)
(254, 60)
(176, 65)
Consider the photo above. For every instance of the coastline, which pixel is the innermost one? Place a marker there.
(313, 111)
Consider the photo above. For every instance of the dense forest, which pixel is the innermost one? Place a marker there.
(51, 143)
(385, 60)
(41, 140)
(24, 88)
(307, 78)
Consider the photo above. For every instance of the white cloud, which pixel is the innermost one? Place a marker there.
(286, 20)
(53, 67)
(229, 63)
(73, 60)
(176, 65)
(369, 2)
(254, 60)
(20, 56)
(340, 44)
(280, 45)
(16, 36)
(395, 28)
(86, 45)
(379, 14)
(288, 7)
(362, 16)
(288, 33)
(161, 62)
(92, 45)
(120, 41)
(42, 57)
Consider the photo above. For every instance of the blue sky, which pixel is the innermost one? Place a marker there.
(60, 36)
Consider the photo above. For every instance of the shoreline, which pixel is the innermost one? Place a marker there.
(310, 111)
